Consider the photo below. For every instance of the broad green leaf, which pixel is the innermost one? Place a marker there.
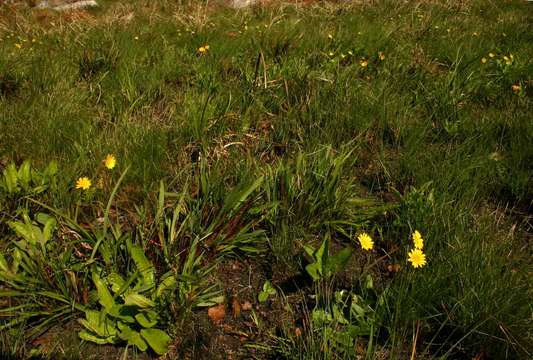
(52, 168)
(132, 337)
(138, 300)
(10, 178)
(98, 323)
(157, 339)
(31, 233)
(168, 282)
(118, 311)
(104, 296)
(84, 335)
(115, 281)
(144, 266)
(147, 319)
(24, 175)
(4, 266)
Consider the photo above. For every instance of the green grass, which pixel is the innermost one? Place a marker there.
(274, 138)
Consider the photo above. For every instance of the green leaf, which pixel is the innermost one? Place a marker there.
(168, 282)
(31, 233)
(10, 178)
(104, 296)
(147, 319)
(115, 281)
(24, 175)
(138, 300)
(132, 337)
(144, 266)
(4, 266)
(84, 335)
(98, 323)
(157, 339)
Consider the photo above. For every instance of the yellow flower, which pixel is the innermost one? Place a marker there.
(18, 46)
(83, 183)
(331, 54)
(483, 60)
(381, 56)
(202, 49)
(507, 60)
(366, 241)
(110, 161)
(363, 63)
(417, 258)
(330, 36)
(417, 240)
(492, 55)
(516, 88)
(206, 47)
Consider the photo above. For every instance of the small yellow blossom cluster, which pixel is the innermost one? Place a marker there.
(84, 183)
(203, 49)
(504, 60)
(416, 256)
(363, 62)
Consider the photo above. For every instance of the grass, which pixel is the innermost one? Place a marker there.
(300, 122)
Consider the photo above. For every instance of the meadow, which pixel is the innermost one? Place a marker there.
(297, 180)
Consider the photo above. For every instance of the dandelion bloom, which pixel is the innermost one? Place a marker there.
(366, 241)
(492, 55)
(18, 46)
(202, 49)
(206, 47)
(363, 63)
(417, 240)
(483, 60)
(516, 88)
(417, 258)
(83, 183)
(110, 161)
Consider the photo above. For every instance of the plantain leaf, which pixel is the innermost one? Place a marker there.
(24, 175)
(144, 265)
(84, 335)
(132, 337)
(104, 296)
(147, 319)
(115, 281)
(157, 339)
(168, 282)
(98, 323)
(10, 178)
(138, 300)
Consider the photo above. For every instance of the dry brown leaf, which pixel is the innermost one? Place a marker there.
(236, 308)
(216, 313)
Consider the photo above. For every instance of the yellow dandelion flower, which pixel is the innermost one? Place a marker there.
(417, 240)
(366, 241)
(350, 52)
(18, 46)
(136, 38)
(381, 56)
(483, 60)
(331, 54)
(363, 63)
(201, 49)
(516, 88)
(417, 258)
(206, 47)
(83, 183)
(330, 36)
(110, 161)
(491, 55)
